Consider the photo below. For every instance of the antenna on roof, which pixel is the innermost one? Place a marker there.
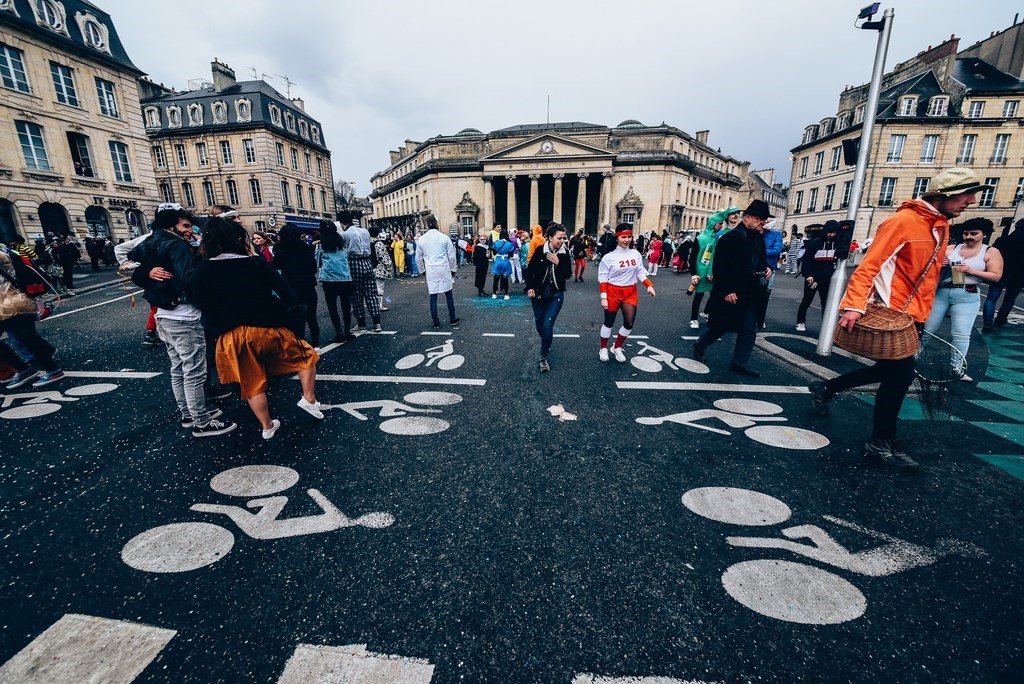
(254, 73)
(549, 110)
(288, 83)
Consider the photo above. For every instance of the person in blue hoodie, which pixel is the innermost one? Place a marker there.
(773, 244)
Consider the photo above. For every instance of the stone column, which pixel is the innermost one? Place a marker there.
(581, 201)
(606, 196)
(556, 214)
(488, 220)
(512, 218)
(534, 200)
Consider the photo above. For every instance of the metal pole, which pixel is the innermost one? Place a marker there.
(837, 285)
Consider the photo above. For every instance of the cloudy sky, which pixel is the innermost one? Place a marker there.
(378, 72)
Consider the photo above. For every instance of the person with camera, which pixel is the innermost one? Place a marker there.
(546, 274)
(740, 275)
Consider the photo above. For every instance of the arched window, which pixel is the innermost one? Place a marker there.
(195, 114)
(220, 113)
(174, 116)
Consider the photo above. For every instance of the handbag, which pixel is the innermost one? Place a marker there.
(548, 288)
(882, 333)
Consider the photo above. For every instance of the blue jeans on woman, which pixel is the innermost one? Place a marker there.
(545, 311)
(962, 307)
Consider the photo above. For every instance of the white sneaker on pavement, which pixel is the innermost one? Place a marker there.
(603, 355)
(268, 434)
(619, 356)
(312, 409)
(694, 324)
(800, 327)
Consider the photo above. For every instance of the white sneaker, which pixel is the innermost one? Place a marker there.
(311, 409)
(268, 434)
(507, 297)
(603, 355)
(619, 356)
(966, 378)
(694, 324)
(800, 327)
(494, 296)
(704, 316)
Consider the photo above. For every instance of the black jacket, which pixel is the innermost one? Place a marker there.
(170, 252)
(295, 260)
(820, 270)
(1011, 248)
(480, 255)
(539, 266)
(739, 267)
(248, 291)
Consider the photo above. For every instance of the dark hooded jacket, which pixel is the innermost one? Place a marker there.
(739, 265)
(170, 252)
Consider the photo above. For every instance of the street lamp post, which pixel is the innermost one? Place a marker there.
(838, 282)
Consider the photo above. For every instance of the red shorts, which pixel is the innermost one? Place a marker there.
(618, 295)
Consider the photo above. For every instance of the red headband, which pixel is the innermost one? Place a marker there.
(623, 231)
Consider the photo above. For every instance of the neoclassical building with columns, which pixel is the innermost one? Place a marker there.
(578, 174)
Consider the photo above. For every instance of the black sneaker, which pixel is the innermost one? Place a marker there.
(698, 354)
(744, 371)
(890, 452)
(213, 428)
(151, 340)
(187, 422)
(820, 397)
(437, 324)
(455, 323)
(987, 328)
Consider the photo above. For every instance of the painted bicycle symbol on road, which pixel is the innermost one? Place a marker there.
(182, 547)
(442, 356)
(399, 421)
(36, 404)
(653, 360)
(800, 592)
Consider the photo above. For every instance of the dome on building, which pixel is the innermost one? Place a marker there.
(468, 132)
(630, 123)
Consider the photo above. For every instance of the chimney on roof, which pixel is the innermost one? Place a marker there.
(223, 76)
(702, 137)
(299, 103)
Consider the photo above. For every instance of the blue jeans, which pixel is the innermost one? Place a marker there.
(988, 312)
(962, 307)
(449, 300)
(544, 313)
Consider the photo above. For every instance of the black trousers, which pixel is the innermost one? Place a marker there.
(339, 290)
(894, 378)
(308, 297)
(805, 303)
(481, 276)
(23, 328)
(69, 276)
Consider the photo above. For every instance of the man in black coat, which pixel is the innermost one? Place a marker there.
(1011, 248)
(740, 284)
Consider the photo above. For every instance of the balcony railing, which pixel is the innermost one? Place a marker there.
(965, 160)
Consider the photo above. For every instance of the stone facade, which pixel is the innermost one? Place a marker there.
(763, 186)
(73, 152)
(940, 109)
(578, 174)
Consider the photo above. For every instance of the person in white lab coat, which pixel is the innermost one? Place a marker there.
(435, 256)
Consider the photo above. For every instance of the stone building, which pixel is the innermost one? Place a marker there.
(763, 186)
(944, 107)
(239, 143)
(579, 174)
(73, 152)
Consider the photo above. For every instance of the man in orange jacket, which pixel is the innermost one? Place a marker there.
(902, 254)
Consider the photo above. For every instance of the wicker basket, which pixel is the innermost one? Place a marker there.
(881, 333)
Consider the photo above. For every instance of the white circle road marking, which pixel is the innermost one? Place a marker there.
(646, 364)
(254, 480)
(179, 547)
(90, 390)
(414, 425)
(794, 592)
(749, 407)
(411, 361)
(692, 365)
(30, 411)
(785, 437)
(736, 506)
(432, 398)
(451, 362)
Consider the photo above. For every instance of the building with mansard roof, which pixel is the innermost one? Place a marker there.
(579, 174)
(240, 143)
(74, 156)
(944, 107)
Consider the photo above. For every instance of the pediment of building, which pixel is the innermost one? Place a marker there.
(548, 147)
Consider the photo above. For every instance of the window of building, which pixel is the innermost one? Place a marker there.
(243, 110)
(174, 116)
(159, 160)
(32, 147)
(95, 35)
(201, 154)
(108, 99)
(286, 194)
(908, 106)
(938, 105)
(225, 151)
(312, 198)
(298, 196)
(232, 188)
(179, 151)
(467, 224)
(843, 121)
(309, 163)
(255, 193)
(316, 136)
(295, 159)
(220, 112)
(798, 207)
(81, 156)
(320, 168)
(809, 135)
(187, 194)
(1019, 192)
(803, 166)
(858, 115)
(323, 200)
(64, 84)
(12, 69)
(895, 155)
(976, 110)
(289, 121)
(261, 226)
(988, 196)
(119, 157)
(152, 117)
(275, 114)
(887, 191)
(999, 150)
(1010, 108)
(847, 189)
(303, 128)
(165, 192)
(830, 196)
(211, 199)
(250, 150)
(280, 154)
(195, 114)
(837, 153)
(812, 200)
(966, 153)
(928, 147)
(920, 186)
(819, 162)
(49, 14)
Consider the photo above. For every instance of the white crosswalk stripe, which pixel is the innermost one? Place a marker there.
(353, 664)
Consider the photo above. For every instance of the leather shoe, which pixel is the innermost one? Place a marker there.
(744, 371)
(698, 354)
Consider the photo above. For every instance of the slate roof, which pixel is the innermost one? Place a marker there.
(560, 126)
(979, 76)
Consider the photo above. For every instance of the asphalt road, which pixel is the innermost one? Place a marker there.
(441, 525)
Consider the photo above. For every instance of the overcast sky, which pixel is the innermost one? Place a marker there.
(378, 72)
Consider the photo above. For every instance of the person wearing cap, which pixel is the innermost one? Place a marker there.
(901, 269)
(740, 274)
(617, 275)
(817, 269)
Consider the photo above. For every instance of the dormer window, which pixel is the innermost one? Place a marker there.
(50, 13)
(809, 134)
(152, 117)
(843, 121)
(825, 127)
(195, 114)
(858, 115)
(316, 133)
(908, 106)
(243, 110)
(174, 116)
(303, 128)
(938, 105)
(94, 32)
(289, 121)
(275, 115)
(220, 113)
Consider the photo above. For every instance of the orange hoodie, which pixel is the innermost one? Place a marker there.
(536, 241)
(901, 250)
